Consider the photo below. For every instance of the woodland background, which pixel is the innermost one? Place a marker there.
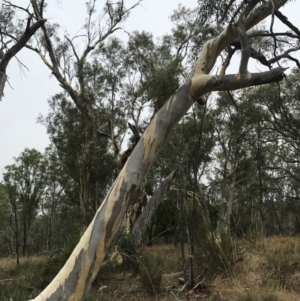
(236, 154)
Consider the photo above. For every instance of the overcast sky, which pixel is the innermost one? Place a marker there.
(28, 94)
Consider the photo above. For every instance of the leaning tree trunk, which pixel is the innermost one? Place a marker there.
(74, 280)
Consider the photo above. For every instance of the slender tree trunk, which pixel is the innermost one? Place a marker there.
(24, 248)
(259, 167)
(87, 178)
(276, 217)
(226, 207)
(15, 229)
(49, 232)
(181, 235)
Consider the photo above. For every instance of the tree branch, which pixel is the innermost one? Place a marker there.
(243, 69)
(294, 60)
(225, 65)
(285, 21)
(253, 53)
(55, 66)
(213, 47)
(29, 32)
(8, 3)
(283, 55)
(73, 48)
(268, 34)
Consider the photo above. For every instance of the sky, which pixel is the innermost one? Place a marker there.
(27, 93)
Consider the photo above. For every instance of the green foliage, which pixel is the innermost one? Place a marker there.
(161, 69)
(213, 11)
(25, 182)
(162, 83)
(65, 124)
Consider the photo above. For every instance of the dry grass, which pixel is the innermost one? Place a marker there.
(11, 262)
(269, 271)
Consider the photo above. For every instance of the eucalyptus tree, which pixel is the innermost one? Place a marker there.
(233, 165)
(6, 236)
(123, 81)
(25, 183)
(65, 127)
(80, 76)
(75, 278)
(109, 85)
(281, 146)
(237, 177)
(57, 183)
(155, 70)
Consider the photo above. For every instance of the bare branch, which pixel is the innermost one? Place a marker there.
(232, 100)
(268, 34)
(215, 46)
(21, 65)
(109, 31)
(55, 64)
(42, 7)
(294, 60)
(271, 29)
(8, 3)
(144, 220)
(73, 48)
(283, 55)
(29, 32)
(206, 83)
(246, 11)
(236, 12)
(90, 13)
(20, 43)
(285, 20)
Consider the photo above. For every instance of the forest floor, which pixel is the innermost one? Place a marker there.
(265, 269)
